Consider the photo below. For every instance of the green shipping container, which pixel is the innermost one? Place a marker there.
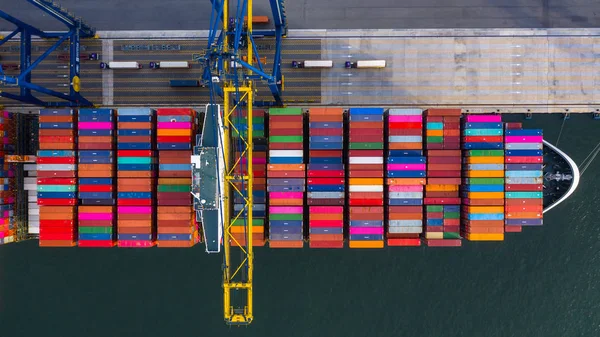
(485, 181)
(285, 111)
(255, 222)
(174, 188)
(434, 208)
(57, 188)
(451, 235)
(95, 230)
(242, 121)
(486, 153)
(435, 139)
(255, 134)
(451, 215)
(296, 217)
(286, 139)
(134, 160)
(524, 195)
(366, 146)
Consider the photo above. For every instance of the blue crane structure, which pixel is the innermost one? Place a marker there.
(222, 162)
(77, 30)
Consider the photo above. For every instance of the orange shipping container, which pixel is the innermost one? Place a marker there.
(406, 216)
(95, 139)
(484, 174)
(452, 133)
(135, 174)
(441, 188)
(405, 146)
(484, 223)
(96, 209)
(326, 216)
(134, 223)
(365, 244)
(365, 181)
(134, 125)
(56, 209)
(434, 133)
(57, 146)
(487, 202)
(444, 153)
(476, 230)
(444, 167)
(286, 244)
(56, 119)
(327, 237)
(57, 216)
(406, 181)
(286, 202)
(325, 111)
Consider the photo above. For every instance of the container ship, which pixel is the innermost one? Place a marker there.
(323, 178)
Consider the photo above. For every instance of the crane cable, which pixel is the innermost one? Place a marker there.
(589, 159)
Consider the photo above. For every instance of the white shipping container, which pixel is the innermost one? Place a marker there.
(234, 64)
(400, 230)
(365, 188)
(406, 195)
(123, 65)
(56, 167)
(365, 160)
(406, 139)
(9, 239)
(32, 173)
(34, 218)
(30, 180)
(523, 180)
(286, 153)
(33, 205)
(405, 112)
(371, 64)
(34, 228)
(174, 64)
(30, 167)
(325, 195)
(318, 64)
(30, 187)
(486, 167)
(33, 211)
(406, 223)
(524, 146)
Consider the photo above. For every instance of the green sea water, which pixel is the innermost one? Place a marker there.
(543, 282)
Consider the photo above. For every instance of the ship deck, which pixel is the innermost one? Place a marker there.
(512, 70)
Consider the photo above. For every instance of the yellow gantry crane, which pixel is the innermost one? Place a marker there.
(222, 163)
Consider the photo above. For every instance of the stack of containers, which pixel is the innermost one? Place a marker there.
(176, 225)
(442, 199)
(365, 177)
(405, 177)
(483, 185)
(7, 183)
(57, 183)
(286, 178)
(326, 178)
(136, 177)
(259, 184)
(524, 177)
(96, 172)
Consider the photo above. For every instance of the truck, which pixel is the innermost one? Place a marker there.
(365, 64)
(170, 65)
(312, 64)
(120, 65)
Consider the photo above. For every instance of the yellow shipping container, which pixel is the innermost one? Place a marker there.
(365, 244)
(441, 188)
(486, 237)
(365, 181)
(435, 133)
(485, 209)
(485, 160)
(485, 195)
(485, 174)
(174, 132)
(434, 235)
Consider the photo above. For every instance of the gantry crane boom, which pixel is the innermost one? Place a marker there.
(222, 163)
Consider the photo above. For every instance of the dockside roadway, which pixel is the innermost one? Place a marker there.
(536, 70)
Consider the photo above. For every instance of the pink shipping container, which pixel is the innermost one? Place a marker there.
(484, 118)
(95, 125)
(135, 244)
(285, 210)
(286, 195)
(326, 209)
(407, 167)
(95, 216)
(405, 188)
(394, 119)
(523, 160)
(366, 230)
(523, 139)
(174, 125)
(134, 210)
(326, 223)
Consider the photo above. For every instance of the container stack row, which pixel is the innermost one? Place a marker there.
(136, 183)
(259, 181)
(176, 224)
(406, 172)
(442, 197)
(524, 178)
(96, 174)
(326, 178)
(57, 178)
(7, 230)
(286, 174)
(483, 185)
(365, 177)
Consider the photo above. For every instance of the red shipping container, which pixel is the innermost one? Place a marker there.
(375, 211)
(443, 112)
(441, 194)
(452, 229)
(444, 160)
(321, 132)
(434, 215)
(56, 181)
(135, 153)
(513, 229)
(324, 181)
(365, 167)
(95, 188)
(134, 202)
(523, 187)
(174, 139)
(176, 154)
(326, 223)
(365, 132)
(285, 132)
(451, 222)
(434, 119)
(405, 132)
(434, 229)
(523, 160)
(324, 173)
(434, 146)
(56, 223)
(513, 126)
(483, 202)
(365, 202)
(407, 125)
(326, 202)
(404, 242)
(286, 146)
(55, 160)
(405, 209)
(57, 236)
(483, 139)
(441, 201)
(444, 181)
(444, 243)
(365, 153)
(56, 202)
(443, 167)
(365, 195)
(174, 112)
(444, 153)
(96, 223)
(56, 139)
(325, 153)
(326, 244)
(448, 125)
(366, 139)
(444, 174)
(531, 201)
(286, 119)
